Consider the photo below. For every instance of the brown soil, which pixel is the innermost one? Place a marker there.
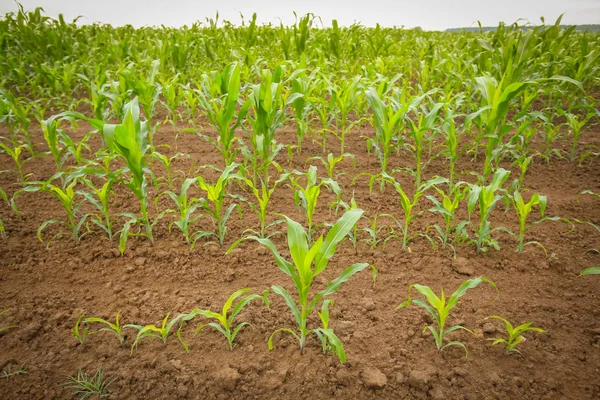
(388, 355)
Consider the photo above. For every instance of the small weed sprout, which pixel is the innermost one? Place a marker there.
(85, 386)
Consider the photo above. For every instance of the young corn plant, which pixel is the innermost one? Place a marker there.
(389, 122)
(216, 200)
(148, 93)
(451, 149)
(514, 334)
(523, 210)
(219, 96)
(65, 193)
(302, 87)
(331, 161)
(408, 205)
(440, 307)
(426, 122)
(114, 328)
(3, 329)
(347, 97)
(100, 197)
(374, 231)
(495, 104)
(15, 151)
(185, 208)
(447, 208)
(227, 316)
(576, 124)
(267, 117)
(262, 196)
(162, 332)
(128, 139)
(171, 176)
(3, 197)
(302, 273)
(486, 198)
(306, 197)
(79, 332)
(324, 317)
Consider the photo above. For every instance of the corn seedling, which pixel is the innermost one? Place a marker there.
(302, 87)
(389, 122)
(408, 204)
(85, 387)
(167, 162)
(185, 208)
(486, 198)
(226, 322)
(576, 124)
(219, 96)
(161, 332)
(447, 208)
(374, 231)
(347, 97)
(426, 122)
(302, 273)
(515, 334)
(324, 317)
(99, 197)
(128, 140)
(263, 196)
(3, 197)
(216, 198)
(330, 162)
(79, 332)
(495, 104)
(306, 197)
(439, 309)
(65, 194)
(3, 329)
(15, 151)
(523, 210)
(268, 116)
(114, 328)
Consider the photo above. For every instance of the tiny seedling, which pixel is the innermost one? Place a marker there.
(5, 328)
(79, 332)
(440, 309)
(10, 371)
(85, 386)
(225, 321)
(115, 328)
(154, 331)
(515, 336)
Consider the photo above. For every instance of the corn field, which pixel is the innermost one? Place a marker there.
(254, 211)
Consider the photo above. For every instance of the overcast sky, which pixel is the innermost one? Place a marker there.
(428, 14)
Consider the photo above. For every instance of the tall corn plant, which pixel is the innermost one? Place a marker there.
(389, 122)
(219, 96)
(267, 117)
(495, 105)
(128, 139)
(485, 199)
(307, 263)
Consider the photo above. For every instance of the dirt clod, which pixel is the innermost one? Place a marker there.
(373, 378)
(463, 266)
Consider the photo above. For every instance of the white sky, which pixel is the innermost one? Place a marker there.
(428, 14)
